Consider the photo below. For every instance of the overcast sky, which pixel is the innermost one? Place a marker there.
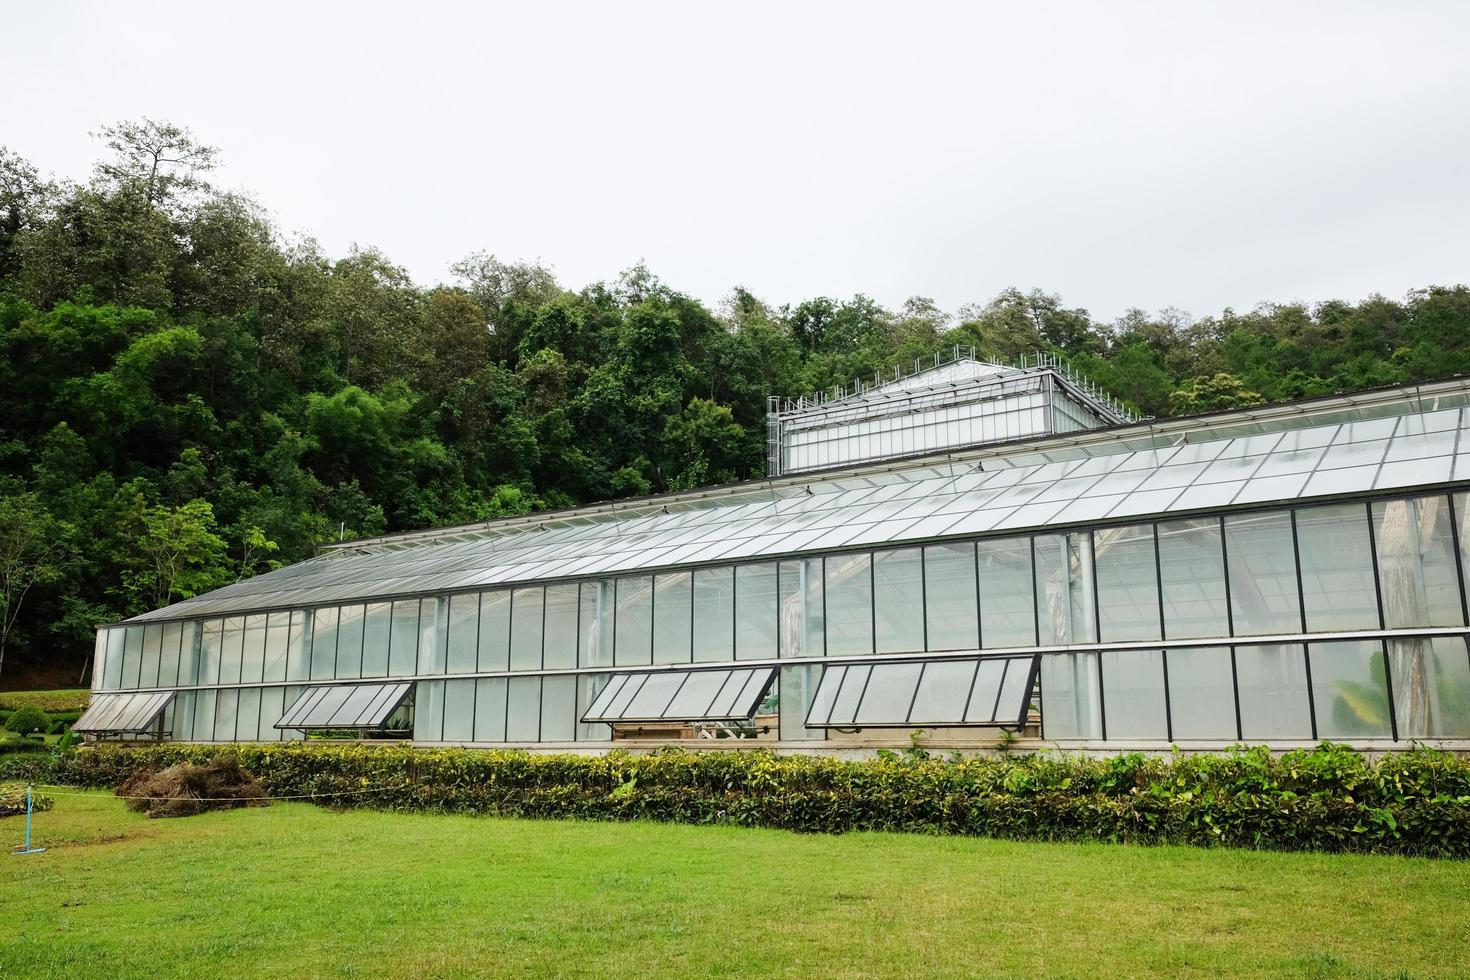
(1121, 154)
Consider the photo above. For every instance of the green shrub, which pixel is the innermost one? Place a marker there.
(1327, 799)
(53, 701)
(27, 721)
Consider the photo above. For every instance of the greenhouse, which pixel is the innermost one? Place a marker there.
(1054, 568)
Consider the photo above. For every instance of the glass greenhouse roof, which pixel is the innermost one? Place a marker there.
(1252, 457)
(123, 714)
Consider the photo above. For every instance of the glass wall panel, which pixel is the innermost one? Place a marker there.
(799, 584)
(1133, 690)
(634, 621)
(204, 715)
(1201, 692)
(132, 656)
(1272, 681)
(1337, 568)
(226, 702)
(428, 711)
(209, 654)
(168, 664)
(183, 717)
(1349, 690)
(433, 635)
(1192, 575)
(849, 613)
(756, 616)
(1127, 584)
(232, 649)
(113, 663)
(1064, 589)
(1262, 567)
(898, 601)
(252, 662)
(490, 709)
(1431, 687)
(298, 646)
(351, 623)
(588, 687)
(403, 638)
(558, 708)
(1416, 563)
(526, 624)
(794, 695)
(523, 710)
(152, 653)
(560, 644)
(247, 716)
(951, 609)
(1007, 593)
(324, 643)
(1071, 702)
(277, 638)
(673, 617)
(464, 633)
(298, 619)
(459, 710)
(714, 614)
(495, 630)
(595, 624)
(272, 706)
(99, 659)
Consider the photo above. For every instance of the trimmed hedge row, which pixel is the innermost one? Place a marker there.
(1326, 799)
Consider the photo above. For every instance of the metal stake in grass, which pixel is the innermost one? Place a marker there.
(26, 848)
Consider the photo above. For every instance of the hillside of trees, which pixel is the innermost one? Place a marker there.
(188, 396)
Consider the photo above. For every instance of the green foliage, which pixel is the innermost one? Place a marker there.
(1325, 799)
(67, 702)
(13, 799)
(188, 397)
(27, 721)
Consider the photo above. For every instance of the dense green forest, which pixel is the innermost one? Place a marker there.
(188, 396)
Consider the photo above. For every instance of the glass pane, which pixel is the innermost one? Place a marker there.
(464, 636)
(189, 656)
(272, 703)
(152, 653)
(588, 687)
(634, 622)
(849, 612)
(1431, 687)
(558, 708)
(523, 710)
(714, 614)
(428, 711)
(209, 652)
(1192, 574)
(183, 717)
(1127, 584)
(1071, 705)
(1133, 692)
(226, 703)
(204, 716)
(375, 639)
(433, 652)
(755, 612)
(898, 597)
(324, 643)
(1272, 681)
(459, 710)
(1262, 566)
(1017, 691)
(800, 586)
(698, 692)
(1007, 597)
(168, 664)
(889, 693)
(951, 611)
(247, 716)
(850, 694)
(526, 624)
(253, 662)
(560, 645)
(1349, 691)
(1201, 692)
(1337, 568)
(133, 656)
(277, 642)
(490, 695)
(793, 698)
(232, 649)
(943, 692)
(113, 662)
(1416, 563)
(595, 630)
(1064, 589)
(673, 617)
(403, 639)
(654, 696)
(494, 630)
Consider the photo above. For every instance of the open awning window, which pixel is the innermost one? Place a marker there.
(365, 706)
(720, 694)
(977, 691)
(123, 714)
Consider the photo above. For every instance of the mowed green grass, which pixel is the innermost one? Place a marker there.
(293, 890)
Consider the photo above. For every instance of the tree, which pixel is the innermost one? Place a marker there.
(33, 551)
(172, 552)
(156, 159)
(1222, 391)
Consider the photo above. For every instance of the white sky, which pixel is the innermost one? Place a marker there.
(1151, 154)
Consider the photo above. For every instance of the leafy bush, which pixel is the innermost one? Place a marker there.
(1327, 799)
(49, 701)
(13, 799)
(27, 721)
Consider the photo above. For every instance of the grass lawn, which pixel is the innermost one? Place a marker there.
(293, 890)
(68, 700)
